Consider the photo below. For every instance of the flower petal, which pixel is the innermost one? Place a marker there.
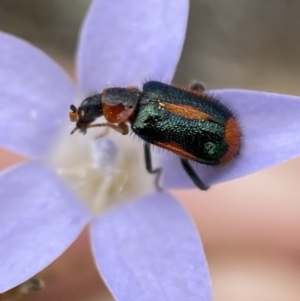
(270, 124)
(150, 250)
(39, 219)
(125, 42)
(34, 100)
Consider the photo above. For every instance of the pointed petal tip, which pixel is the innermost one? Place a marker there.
(270, 124)
(143, 39)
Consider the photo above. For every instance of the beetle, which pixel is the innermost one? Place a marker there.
(184, 120)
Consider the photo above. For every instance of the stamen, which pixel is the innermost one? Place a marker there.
(105, 155)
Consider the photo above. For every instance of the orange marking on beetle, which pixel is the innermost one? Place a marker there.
(176, 148)
(233, 140)
(187, 111)
(117, 113)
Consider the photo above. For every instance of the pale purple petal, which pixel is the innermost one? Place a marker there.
(271, 135)
(125, 42)
(35, 94)
(39, 219)
(150, 250)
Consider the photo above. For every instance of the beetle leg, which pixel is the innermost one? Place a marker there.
(104, 133)
(149, 167)
(121, 127)
(192, 174)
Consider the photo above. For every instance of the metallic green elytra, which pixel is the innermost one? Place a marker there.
(193, 125)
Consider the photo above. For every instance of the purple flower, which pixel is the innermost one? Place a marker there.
(147, 249)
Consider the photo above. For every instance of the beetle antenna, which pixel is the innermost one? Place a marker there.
(73, 114)
(73, 108)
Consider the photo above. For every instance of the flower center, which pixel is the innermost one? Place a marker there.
(103, 172)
